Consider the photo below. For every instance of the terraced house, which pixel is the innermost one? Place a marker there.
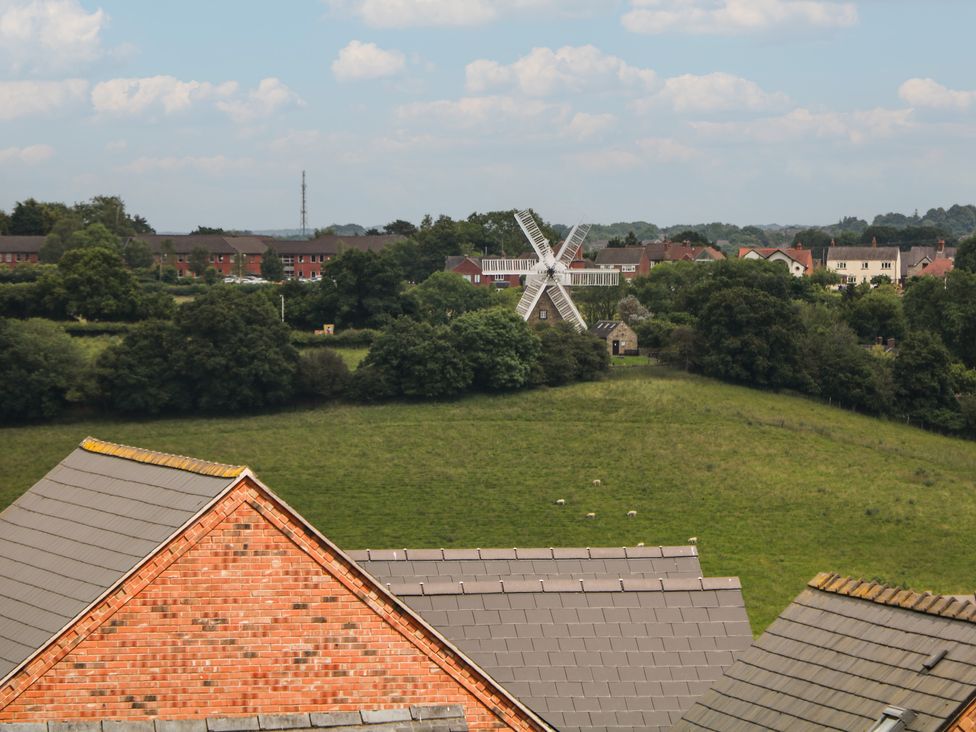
(142, 590)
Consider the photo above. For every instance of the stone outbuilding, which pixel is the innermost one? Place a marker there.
(620, 337)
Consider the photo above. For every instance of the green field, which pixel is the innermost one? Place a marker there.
(776, 488)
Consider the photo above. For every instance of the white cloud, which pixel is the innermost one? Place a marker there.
(666, 150)
(648, 151)
(930, 93)
(296, 140)
(569, 69)
(26, 98)
(730, 17)
(269, 96)
(492, 111)
(455, 13)
(49, 34)
(584, 125)
(856, 127)
(360, 60)
(133, 96)
(713, 92)
(30, 155)
(213, 165)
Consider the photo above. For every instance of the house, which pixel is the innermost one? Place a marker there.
(620, 337)
(668, 251)
(852, 655)
(857, 265)
(917, 259)
(629, 261)
(609, 638)
(15, 250)
(938, 268)
(798, 261)
(470, 269)
(142, 589)
(707, 254)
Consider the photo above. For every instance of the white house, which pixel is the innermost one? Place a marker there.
(862, 264)
(798, 261)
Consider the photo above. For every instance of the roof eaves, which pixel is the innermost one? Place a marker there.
(390, 597)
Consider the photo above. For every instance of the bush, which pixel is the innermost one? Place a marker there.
(95, 328)
(566, 356)
(322, 374)
(138, 375)
(39, 364)
(499, 348)
(350, 338)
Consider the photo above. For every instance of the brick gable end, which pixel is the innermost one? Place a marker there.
(244, 618)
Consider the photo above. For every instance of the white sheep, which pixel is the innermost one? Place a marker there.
(692, 539)
(631, 514)
(560, 501)
(591, 515)
(640, 543)
(597, 482)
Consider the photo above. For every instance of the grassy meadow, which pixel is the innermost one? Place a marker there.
(775, 487)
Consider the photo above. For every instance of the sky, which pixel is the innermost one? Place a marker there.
(669, 111)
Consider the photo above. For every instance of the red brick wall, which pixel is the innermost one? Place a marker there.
(243, 618)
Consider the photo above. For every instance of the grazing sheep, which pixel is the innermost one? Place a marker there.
(692, 539)
(597, 483)
(631, 514)
(640, 543)
(591, 515)
(560, 501)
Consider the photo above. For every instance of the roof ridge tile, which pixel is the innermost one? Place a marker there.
(945, 606)
(163, 459)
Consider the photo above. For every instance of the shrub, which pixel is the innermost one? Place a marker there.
(40, 364)
(566, 356)
(498, 346)
(322, 374)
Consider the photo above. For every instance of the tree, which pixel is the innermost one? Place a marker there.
(199, 261)
(234, 352)
(272, 268)
(322, 374)
(95, 285)
(58, 240)
(692, 237)
(445, 295)
(209, 231)
(138, 376)
(499, 348)
(31, 218)
(599, 303)
(923, 382)
(137, 254)
(401, 227)
(566, 356)
(878, 314)
(41, 363)
(418, 360)
(4, 223)
(631, 311)
(240, 264)
(750, 336)
(362, 289)
(966, 255)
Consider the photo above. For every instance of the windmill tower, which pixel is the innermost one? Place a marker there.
(546, 278)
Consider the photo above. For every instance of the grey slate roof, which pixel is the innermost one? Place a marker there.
(21, 244)
(620, 255)
(841, 653)
(868, 254)
(603, 328)
(589, 639)
(77, 531)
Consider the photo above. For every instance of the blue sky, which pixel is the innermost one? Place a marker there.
(671, 111)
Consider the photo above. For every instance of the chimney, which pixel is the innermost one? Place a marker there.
(941, 249)
(874, 242)
(799, 245)
(832, 243)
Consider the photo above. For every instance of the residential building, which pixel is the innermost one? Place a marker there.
(852, 655)
(917, 259)
(938, 268)
(163, 592)
(470, 269)
(139, 586)
(798, 261)
(620, 337)
(668, 251)
(857, 265)
(15, 250)
(629, 261)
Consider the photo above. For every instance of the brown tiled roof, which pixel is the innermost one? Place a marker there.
(802, 256)
(21, 244)
(842, 652)
(666, 251)
(867, 254)
(604, 638)
(186, 243)
(938, 268)
(620, 255)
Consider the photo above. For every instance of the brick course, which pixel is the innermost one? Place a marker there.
(247, 613)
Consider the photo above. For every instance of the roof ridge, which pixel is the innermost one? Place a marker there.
(945, 606)
(537, 553)
(562, 584)
(166, 460)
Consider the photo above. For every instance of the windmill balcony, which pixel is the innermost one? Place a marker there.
(507, 266)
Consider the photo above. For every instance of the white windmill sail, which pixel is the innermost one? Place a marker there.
(550, 274)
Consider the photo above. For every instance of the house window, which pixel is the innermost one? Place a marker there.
(301, 258)
(179, 258)
(852, 280)
(886, 265)
(865, 265)
(21, 257)
(9, 257)
(841, 265)
(543, 314)
(221, 258)
(628, 268)
(477, 279)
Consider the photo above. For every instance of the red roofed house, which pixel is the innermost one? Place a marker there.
(470, 269)
(938, 268)
(16, 250)
(798, 260)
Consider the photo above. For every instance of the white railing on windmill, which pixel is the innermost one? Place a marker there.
(550, 274)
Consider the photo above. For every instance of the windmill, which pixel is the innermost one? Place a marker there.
(547, 277)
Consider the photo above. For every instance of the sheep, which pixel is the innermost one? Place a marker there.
(560, 501)
(631, 514)
(640, 543)
(597, 483)
(692, 539)
(591, 515)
